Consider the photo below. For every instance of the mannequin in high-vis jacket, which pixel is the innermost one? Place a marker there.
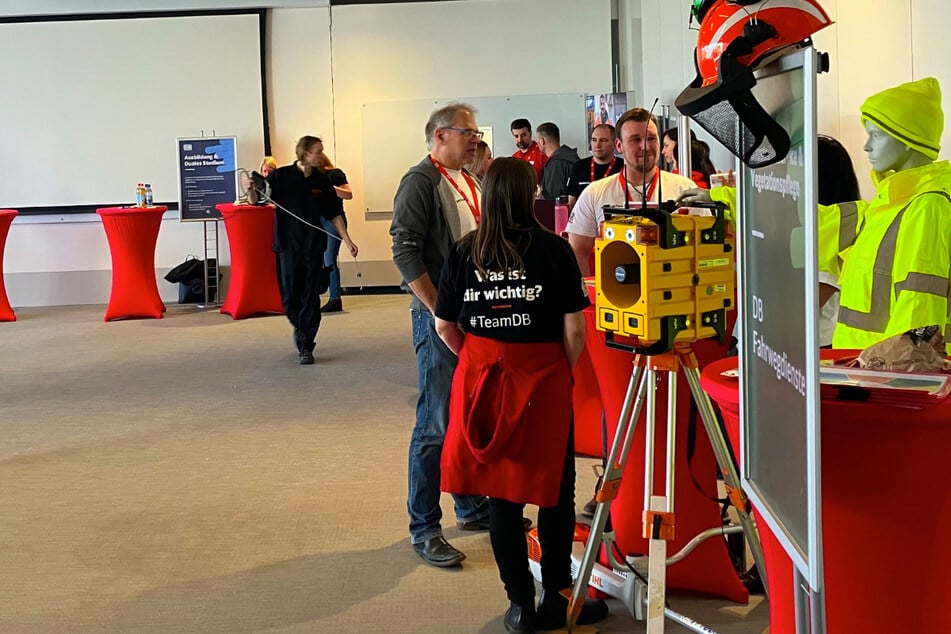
(890, 256)
(893, 254)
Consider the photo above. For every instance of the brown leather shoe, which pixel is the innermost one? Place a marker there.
(438, 552)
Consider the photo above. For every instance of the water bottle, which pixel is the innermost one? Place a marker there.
(561, 215)
(148, 195)
(140, 195)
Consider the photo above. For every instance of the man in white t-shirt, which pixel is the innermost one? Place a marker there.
(639, 143)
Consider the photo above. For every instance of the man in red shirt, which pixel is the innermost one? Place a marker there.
(528, 150)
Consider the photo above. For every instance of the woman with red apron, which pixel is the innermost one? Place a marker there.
(509, 304)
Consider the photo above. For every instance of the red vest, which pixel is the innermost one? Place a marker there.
(509, 418)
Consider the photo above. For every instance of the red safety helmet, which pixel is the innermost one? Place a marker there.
(736, 38)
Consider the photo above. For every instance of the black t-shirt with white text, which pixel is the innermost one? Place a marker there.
(527, 305)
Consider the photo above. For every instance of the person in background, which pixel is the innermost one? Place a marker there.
(305, 191)
(526, 148)
(561, 158)
(602, 162)
(437, 202)
(482, 160)
(342, 188)
(268, 165)
(669, 148)
(510, 305)
(837, 184)
(700, 165)
(604, 117)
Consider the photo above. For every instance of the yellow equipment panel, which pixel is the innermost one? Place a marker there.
(664, 277)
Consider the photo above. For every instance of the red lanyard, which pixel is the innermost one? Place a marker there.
(607, 172)
(474, 208)
(650, 188)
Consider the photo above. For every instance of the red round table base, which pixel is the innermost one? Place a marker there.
(253, 288)
(6, 218)
(886, 514)
(132, 233)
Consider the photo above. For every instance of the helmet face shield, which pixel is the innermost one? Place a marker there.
(736, 38)
(730, 113)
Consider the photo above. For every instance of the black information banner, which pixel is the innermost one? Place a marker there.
(207, 170)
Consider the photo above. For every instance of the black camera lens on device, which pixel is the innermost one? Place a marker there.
(627, 273)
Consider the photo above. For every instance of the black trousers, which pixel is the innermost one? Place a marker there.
(556, 527)
(299, 275)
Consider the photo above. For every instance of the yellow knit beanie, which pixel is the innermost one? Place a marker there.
(910, 113)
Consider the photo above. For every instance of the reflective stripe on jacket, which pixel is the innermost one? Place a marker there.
(836, 229)
(896, 276)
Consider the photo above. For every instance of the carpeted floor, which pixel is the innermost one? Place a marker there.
(186, 475)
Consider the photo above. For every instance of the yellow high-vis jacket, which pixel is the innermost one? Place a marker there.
(891, 255)
(896, 274)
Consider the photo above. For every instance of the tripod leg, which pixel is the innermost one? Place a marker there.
(659, 511)
(728, 466)
(610, 483)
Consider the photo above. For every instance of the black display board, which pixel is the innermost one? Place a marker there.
(207, 176)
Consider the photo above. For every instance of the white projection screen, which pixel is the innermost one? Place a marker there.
(90, 107)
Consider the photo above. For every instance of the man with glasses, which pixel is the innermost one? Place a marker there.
(526, 148)
(437, 203)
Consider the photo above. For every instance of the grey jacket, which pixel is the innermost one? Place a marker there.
(422, 230)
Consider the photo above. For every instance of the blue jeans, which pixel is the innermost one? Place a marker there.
(330, 255)
(435, 364)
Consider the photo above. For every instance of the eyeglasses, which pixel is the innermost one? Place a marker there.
(469, 132)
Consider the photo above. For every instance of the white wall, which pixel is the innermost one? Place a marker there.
(60, 7)
(324, 63)
(299, 79)
(443, 50)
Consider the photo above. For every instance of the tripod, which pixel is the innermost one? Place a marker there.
(659, 510)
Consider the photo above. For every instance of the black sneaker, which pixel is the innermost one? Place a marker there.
(306, 357)
(332, 306)
(520, 618)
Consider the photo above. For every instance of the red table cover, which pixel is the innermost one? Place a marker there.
(6, 218)
(132, 233)
(886, 514)
(253, 287)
